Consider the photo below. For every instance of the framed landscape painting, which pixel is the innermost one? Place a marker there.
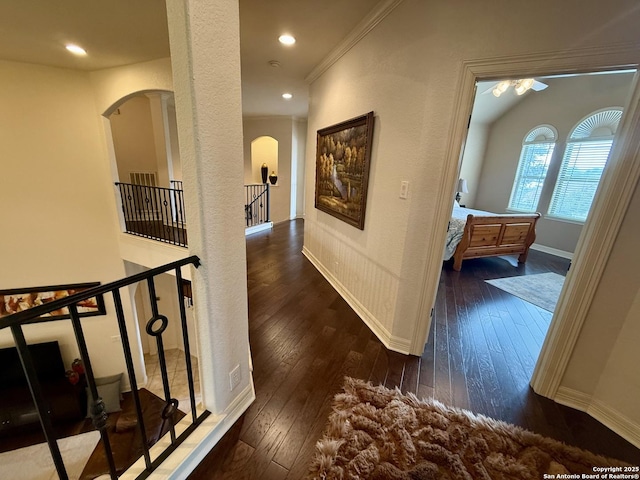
(20, 299)
(342, 169)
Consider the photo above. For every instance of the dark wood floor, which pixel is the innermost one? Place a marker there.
(481, 352)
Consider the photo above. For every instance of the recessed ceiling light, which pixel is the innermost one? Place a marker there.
(75, 49)
(287, 39)
(287, 96)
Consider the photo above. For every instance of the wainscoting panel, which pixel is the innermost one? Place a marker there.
(370, 288)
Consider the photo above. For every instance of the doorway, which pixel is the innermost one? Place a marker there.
(541, 149)
(606, 215)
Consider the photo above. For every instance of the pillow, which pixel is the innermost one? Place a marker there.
(456, 204)
(109, 391)
(110, 379)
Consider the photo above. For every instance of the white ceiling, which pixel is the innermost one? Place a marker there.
(121, 32)
(487, 108)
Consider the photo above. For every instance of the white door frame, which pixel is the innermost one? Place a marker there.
(610, 204)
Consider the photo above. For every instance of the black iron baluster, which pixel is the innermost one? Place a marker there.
(185, 340)
(38, 398)
(97, 409)
(145, 211)
(129, 216)
(182, 217)
(151, 193)
(268, 204)
(126, 347)
(15, 322)
(139, 201)
(171, 403)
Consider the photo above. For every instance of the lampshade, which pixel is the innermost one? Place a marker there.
(462, 186)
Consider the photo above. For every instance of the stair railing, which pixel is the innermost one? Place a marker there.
(155, 327)
(256, 204)
(154, 212)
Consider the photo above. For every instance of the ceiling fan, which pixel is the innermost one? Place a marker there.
(520, 86)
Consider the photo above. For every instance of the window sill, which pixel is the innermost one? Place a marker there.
(563, 220)
(511, 210)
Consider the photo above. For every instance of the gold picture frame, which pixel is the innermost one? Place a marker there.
(343, 156)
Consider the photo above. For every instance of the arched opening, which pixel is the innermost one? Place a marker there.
(145, 141)
(264, 151)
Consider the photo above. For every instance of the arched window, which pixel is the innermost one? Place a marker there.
(535, 156)
(583, 162)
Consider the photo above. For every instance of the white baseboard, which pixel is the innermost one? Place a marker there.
(552, 251)
(258, 228)
(397, 344)
(609, 417)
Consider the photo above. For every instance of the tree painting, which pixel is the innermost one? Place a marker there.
(342, 169)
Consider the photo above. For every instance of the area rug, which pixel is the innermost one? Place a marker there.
(35, 462)
(376, 433)
(541, 289)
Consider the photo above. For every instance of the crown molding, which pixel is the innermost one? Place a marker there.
(367, 24)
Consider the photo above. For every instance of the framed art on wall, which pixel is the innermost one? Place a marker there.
(20, 299)
(342, 169)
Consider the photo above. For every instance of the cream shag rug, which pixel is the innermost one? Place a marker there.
(377, 433)
(541, 289)
(35, 462)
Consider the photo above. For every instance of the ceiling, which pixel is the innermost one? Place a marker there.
(122, 32)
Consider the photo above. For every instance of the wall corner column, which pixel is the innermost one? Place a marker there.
(205, 55)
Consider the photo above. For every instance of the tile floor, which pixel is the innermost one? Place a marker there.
(177, 373)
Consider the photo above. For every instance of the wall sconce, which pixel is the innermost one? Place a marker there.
(462, 188)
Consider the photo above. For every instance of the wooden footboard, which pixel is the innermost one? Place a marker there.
(496, 235)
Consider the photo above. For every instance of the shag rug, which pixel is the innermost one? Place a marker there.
(541, 289)
(377, 433)
(35, 462)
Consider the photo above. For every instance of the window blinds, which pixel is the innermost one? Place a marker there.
(580, 173)
(532, 171)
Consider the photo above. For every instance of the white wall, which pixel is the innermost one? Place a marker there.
(111, 85)
(299, 146)
(60, 223)
(280, 128)
(173, 139)
(407, 71)
(563, 104)
(133, 137)
(604, 364)
(264, 151)
(472, 159)
(157, 107)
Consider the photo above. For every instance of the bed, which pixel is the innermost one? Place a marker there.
(475, 234)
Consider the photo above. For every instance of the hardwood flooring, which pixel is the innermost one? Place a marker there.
(480, 354)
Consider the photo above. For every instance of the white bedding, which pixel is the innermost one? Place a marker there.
(456, 227)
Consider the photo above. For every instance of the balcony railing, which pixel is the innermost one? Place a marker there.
(159, 213)
(256, 204)
(155, 327)
(154, 212)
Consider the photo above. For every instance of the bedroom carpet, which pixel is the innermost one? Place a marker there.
(541, 289)
(35, 463)
(378, 433)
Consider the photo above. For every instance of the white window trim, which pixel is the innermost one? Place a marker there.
(552, 139)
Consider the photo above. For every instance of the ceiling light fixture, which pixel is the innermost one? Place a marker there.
(520, 86)
(75, 49)
(287, 39)
(287, 96)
